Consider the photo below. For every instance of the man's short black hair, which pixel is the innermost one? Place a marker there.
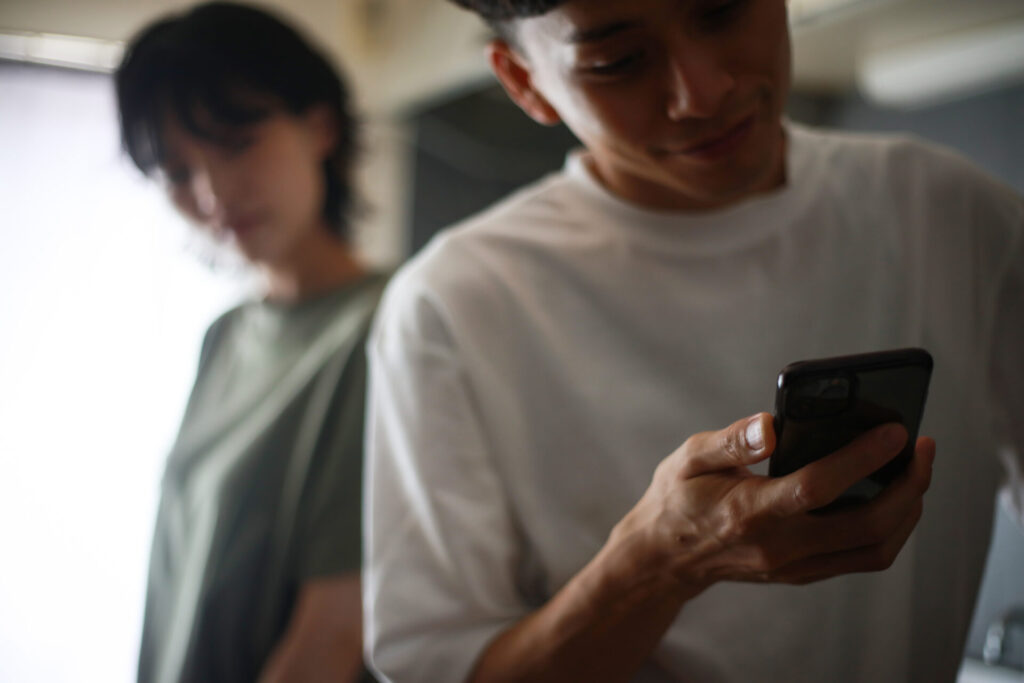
(222, 65)
(500, 14)
(503, 10)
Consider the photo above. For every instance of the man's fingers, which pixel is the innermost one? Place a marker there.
(918, 477)
(822, 481)
(871, 558)
(871, 523)
(924, 455)
(742, 443)
(861, 526)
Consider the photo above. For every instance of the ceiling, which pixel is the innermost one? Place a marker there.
(402, 52)
(829, 44)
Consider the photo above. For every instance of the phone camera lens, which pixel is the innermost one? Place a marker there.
(835, 388)
(819, 397)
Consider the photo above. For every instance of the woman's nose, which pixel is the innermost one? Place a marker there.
(215, 186)
(204, 194)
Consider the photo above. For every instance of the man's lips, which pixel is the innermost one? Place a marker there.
(719, 144)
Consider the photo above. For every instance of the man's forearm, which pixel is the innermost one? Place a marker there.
(705, 518)
(601, 625)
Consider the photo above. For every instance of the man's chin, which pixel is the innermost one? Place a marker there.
(727, 184)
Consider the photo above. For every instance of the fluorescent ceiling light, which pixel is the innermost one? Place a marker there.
(73, 52)
(946, 68)
(813, 11)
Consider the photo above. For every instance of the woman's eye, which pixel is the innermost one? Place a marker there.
(236, 144)
(176, 175)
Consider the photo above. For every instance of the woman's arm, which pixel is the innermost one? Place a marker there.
(324, 639)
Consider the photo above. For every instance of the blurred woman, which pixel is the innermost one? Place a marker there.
(254, 571)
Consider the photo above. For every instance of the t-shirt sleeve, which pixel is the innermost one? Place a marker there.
(984, 218)
(1007, 366)
(439, 583)
(328, 534)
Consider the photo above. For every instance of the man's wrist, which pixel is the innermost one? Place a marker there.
(637, 567)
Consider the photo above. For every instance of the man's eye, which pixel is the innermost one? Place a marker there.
(721, 14)
(616, 67)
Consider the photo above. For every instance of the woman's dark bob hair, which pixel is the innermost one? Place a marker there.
(222, 65)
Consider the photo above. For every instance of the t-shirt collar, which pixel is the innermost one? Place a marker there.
(748, 219)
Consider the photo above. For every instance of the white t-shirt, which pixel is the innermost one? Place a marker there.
(532, 366)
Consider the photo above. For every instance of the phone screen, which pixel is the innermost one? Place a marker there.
(825, 404)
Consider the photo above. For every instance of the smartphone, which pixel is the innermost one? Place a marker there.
(822, 405)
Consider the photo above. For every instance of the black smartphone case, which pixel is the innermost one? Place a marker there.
(822, 405)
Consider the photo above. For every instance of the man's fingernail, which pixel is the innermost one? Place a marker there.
(754, 434)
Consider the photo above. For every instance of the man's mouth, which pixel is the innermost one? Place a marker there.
(718, 145)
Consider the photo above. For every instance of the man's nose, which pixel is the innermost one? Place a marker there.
(697, 83)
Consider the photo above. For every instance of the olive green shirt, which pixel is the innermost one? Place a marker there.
(262, 487)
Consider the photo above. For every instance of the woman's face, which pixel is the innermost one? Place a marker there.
(259, 187)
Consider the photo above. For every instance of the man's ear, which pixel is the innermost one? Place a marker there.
(514, 74)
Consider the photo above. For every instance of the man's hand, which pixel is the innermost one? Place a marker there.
(707, 518)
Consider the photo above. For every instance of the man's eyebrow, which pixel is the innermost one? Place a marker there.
(592, 35)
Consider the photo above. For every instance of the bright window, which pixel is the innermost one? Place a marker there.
(102, 310)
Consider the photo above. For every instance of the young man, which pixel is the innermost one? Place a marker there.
(534, 371)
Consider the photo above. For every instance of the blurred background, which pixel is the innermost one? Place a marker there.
(104, 298)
